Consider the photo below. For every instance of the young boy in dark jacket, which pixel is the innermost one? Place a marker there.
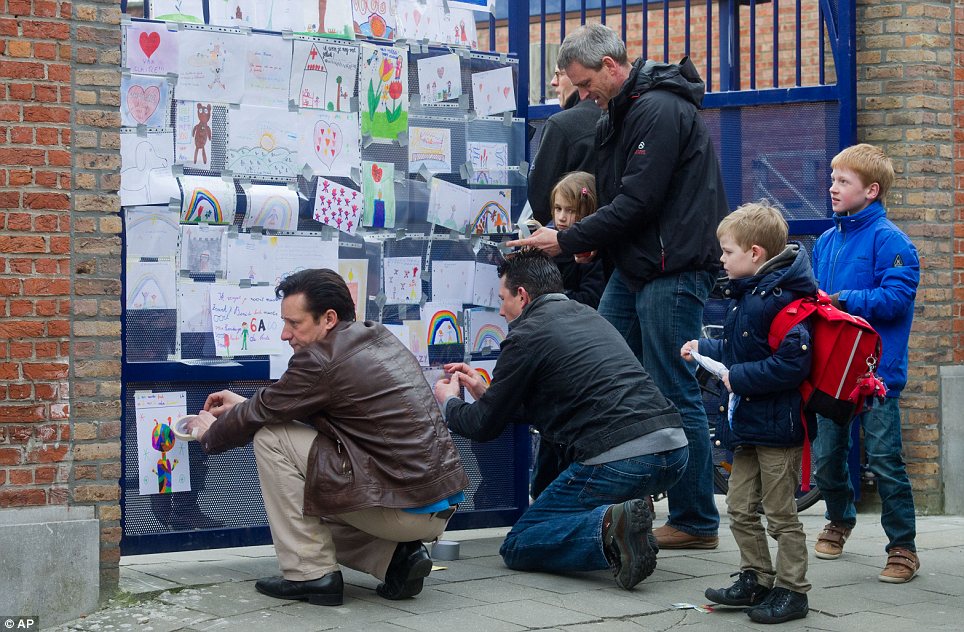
(765, 428)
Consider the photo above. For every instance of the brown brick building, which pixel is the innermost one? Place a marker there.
(60, 241)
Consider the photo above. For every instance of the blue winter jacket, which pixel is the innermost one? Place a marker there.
(874, 267)
(767, 382)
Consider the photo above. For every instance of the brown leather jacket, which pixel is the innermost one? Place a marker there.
(381, 438)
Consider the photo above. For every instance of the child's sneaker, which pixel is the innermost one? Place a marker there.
(745, 591)
(779, 606)
(831, 540)
(902, 566)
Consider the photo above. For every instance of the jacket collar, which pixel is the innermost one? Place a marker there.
(541, 300)
(866, 217)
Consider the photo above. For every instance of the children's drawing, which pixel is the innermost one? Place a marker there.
(412, 334)
(207, 199)
(273, 207)
(338, 206)
(145, 100)
(203, 249)
(489, 162)
(151, 49)
(267, 70)
(194, 307)
(458, 28)
(430, 147)
(150, 284)
(485, 369)
(245, 320)
(486, 330)
(439, 78)
(330, 142)
(146, 176)
(491, 211)
(163, 462)
(289, 254)
(374, 18)
(262, 141)
(384, 91)
(472, 5)
(355, 273)
(442, 326)
(403, 280)
(323, 75)
(418, 21)
(151, 231)
(378, 190)
(452, 281)
(334, 19)
(211, 66)
(233, 12)
(194, 135)
(177, 10)
(247, 259)
(493, 91)
(450, 205)
(485, 285)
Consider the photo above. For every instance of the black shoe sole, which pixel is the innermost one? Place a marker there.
(635, 541)
(717, 596)
(756, 617)
(313, 599)
(412, 586)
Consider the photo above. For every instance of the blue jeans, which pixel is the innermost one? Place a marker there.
(882, 445)
(656, 321)
(561, 531)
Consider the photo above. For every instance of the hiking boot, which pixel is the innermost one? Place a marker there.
(671, 538)
(745, 591)
(831, 540)
(627, 542)
(779, 606)
(902, 566)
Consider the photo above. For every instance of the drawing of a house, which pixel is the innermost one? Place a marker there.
(314, 80)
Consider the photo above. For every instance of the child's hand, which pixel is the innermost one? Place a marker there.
(726, 382)
(585, 257)
(691, 345)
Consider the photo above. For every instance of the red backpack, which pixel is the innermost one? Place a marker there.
(845, 352)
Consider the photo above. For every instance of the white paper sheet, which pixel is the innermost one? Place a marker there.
(450, 205)
(194, 307)
(267, 71)
(485, 369)
(338, 206)
(247, 257)
(493, 91)
(194, 134)
(323, 75)
(246, 320)
(178, 10)
(490, 208)
(486, 330)
(330, 143)
(146, 176)
(485, 286)
(145, 100)
(374, 18)
(151, 49)
(262, 141)
(234, 13)
(272, 207)
(402, 280)
(430, 147)
(289, 254)
(163, 460)
(207, 199)
(441, 323)
(489, 162)
(152, 231)
(211, 66)
(439, 79)
(203, 249)
(355, 273)
(151, 285)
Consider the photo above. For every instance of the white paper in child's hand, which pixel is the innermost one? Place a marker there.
(716, 368)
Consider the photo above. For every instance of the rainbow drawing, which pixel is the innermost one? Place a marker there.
(488, 335)
(443, 329)
(275, 213)
(147, 293)
(492, 218)
(485, 375)
(204, 207)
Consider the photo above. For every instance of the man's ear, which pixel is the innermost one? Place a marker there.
(524, 295)
(330, 319)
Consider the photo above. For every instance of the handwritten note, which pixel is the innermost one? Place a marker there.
(246, 320)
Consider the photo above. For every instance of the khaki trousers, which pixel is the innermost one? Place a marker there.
(771, 476)
(309, 547)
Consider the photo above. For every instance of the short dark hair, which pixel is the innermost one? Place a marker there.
(324, 289)
(532, 269)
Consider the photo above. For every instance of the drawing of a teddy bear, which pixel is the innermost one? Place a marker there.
(202, 132)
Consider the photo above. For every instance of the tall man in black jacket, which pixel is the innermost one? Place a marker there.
(661, 197)
(569, 372)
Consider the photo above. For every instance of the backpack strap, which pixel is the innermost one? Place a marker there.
(792, 315)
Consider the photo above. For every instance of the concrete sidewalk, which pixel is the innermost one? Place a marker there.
(214, 590)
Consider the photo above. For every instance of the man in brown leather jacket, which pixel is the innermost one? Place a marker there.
(356, 465)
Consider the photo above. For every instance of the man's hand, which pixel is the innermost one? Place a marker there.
(688, 346)
(545, 239)
(200, 424)
(468, 377)
(221, 402)
(446, 388)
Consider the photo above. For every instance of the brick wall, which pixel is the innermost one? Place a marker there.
(904, 92)
(96, 267)
(957, 248)
(35, 246)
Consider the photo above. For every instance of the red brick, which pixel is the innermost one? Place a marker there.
(23, 70)
(22, 244)
(20, 476)
(45, 30)
(10, 112)
(48, 371)
(23, 497)
(48, 454)
(19, 434)
(46, 287)
(19, 391)
(33, 157)
(10, 456)
(13, 330)
(21, 414)
(46, 113)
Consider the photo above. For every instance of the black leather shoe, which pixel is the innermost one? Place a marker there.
(324, 591)
(629, 543)
(745, 591)
(780, 605)
(409, 567)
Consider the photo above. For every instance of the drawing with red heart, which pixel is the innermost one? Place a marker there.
(506, 90)
(328, 142)
(376, 173)
(441, 71)
(149, 42)
(142, 102)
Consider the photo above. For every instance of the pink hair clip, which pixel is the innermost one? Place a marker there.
(585, 191)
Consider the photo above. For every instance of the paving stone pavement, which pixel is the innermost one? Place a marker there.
(200, 591)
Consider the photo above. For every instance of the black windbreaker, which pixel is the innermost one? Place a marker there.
(658, 179)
